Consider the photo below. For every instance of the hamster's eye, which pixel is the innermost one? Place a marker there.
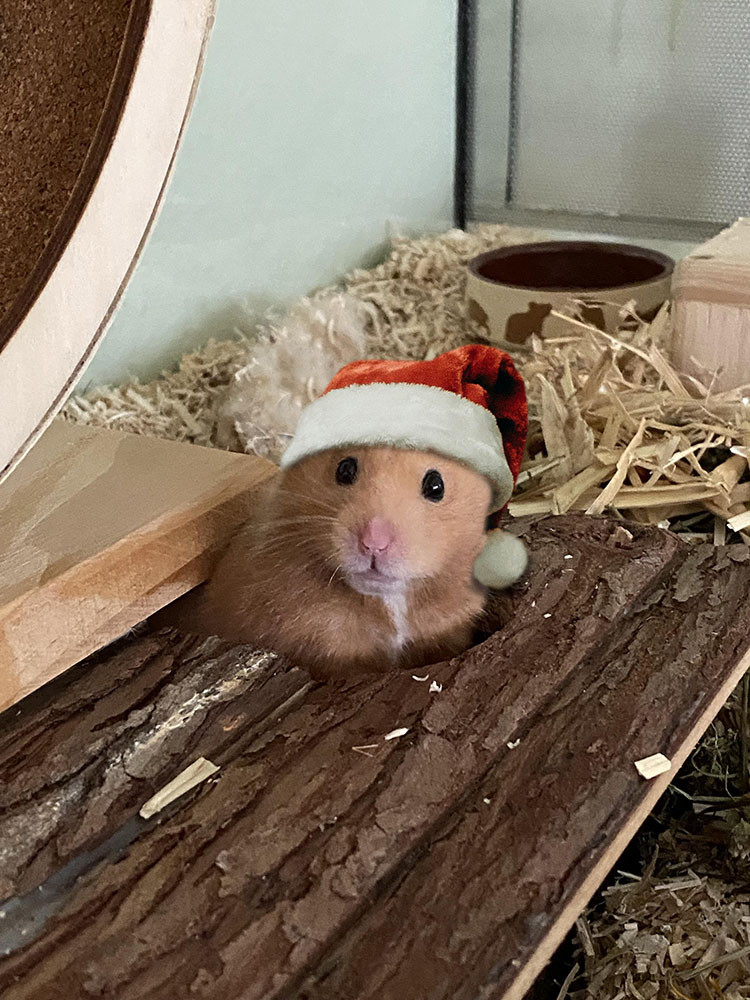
(433, 487)
(346, 471)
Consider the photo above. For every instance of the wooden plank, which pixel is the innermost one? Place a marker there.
(100, 529)
(59, 317)
(243, 891)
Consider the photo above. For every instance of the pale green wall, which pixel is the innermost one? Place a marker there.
(317, 123)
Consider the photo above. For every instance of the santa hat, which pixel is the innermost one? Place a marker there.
(468, 404)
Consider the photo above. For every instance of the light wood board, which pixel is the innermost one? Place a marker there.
(100, 529)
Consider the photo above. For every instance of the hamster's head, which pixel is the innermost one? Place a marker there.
(382, 518)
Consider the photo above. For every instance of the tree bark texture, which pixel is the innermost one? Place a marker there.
(325, 861)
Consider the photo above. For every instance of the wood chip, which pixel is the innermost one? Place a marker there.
(729, 473)
(740, 521)
(198, 772)
(395, 734)
(651, 767)
(584, 936)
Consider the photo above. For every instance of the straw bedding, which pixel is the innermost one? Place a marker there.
(612, 427)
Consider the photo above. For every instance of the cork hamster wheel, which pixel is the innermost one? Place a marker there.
(93, 102)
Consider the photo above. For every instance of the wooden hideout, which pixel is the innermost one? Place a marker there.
(712, 310)
(431, 835)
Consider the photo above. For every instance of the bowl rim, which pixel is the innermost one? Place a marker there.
(666, 262)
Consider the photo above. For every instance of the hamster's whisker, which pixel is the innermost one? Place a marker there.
(279, 561)
(293, 529)
(308, 499)
(279, 541)
(333, 575)
(298, 518)
(289, 491)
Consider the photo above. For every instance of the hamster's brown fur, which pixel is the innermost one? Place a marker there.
(291, 579)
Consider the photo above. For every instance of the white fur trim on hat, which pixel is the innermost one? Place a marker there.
(502, 561)
(409, 416)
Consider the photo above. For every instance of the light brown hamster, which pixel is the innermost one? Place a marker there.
(355, 560)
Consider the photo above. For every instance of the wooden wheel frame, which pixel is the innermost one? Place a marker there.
(55, 324)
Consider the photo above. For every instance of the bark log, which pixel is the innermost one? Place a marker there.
(327, 861)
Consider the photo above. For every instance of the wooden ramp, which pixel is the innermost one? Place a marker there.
(326, 861)
(98, 530)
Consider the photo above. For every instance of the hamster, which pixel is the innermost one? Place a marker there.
(355, 560)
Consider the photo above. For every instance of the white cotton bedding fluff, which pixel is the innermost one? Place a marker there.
(290, 365)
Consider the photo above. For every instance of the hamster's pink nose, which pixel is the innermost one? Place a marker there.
(376, 537)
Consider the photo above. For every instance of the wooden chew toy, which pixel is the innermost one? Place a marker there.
(711, 290)
(99, 530)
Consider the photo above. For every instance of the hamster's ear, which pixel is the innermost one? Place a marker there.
(502, 561)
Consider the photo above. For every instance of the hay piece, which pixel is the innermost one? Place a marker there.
(568, 982)
(563, 497)
(612, 488)
(628, 498)
(659, 938)
(198, 772)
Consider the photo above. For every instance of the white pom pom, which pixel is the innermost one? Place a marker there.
(502, 561)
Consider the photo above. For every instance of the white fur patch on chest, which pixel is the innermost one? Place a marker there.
(396, 607)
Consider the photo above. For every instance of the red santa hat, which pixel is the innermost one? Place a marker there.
(468, 404)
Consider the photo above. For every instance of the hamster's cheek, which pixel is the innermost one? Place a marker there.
(456, 539)
(469, 538)
(425, 548)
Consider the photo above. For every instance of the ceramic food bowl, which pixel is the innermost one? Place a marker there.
(512, 291)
